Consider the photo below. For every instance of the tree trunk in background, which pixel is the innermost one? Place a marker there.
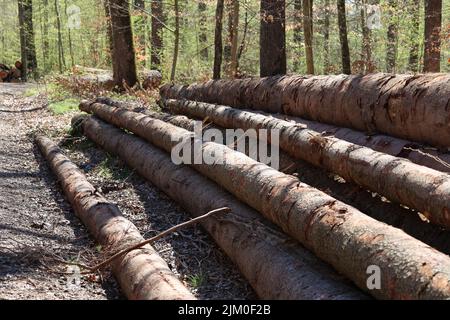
(298, 34)
(69, 34)
(109, 28)
(61, 58)
(414, 15)
(234, 33)
(27, 45)
(176, 42)
(45, 40)
(156, 39)
(202, 37)
(273, 38)
(366, 33)
(433, 23)
(326, 38)
(392, 35)
(345, 51)
(124, 64)
(308, 32)
(218, 46)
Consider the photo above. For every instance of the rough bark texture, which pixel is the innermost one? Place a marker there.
(276, 266)
(124, 63)
(156, 36)
(308, 32)
(272, 38)
(376, 207)
(142, 274)
(218, 45)
(413, 107)
(27, 44)
(433, 25)
(339, 234)
(345, 51)
(414, 15)
(392, 36)
(203, 28)
(427, 190)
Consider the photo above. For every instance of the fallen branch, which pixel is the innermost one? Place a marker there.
(154, 239)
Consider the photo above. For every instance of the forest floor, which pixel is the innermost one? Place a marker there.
(39, 231)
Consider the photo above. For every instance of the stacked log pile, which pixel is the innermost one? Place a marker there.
(10, 74)
(364, 180)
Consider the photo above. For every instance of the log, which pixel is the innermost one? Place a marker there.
(388, 212)
(337, 233)
(398, 179)
(412, 107)
(276, 266)
(142, 274)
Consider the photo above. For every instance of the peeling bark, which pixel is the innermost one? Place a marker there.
(142, 273)
(275, 265)
(413, 107)
(337, 233)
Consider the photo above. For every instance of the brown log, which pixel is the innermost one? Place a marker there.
(276, 266)
(374, 206)
(142, 274)
(412, 107)
(399, 180)
(337, 233)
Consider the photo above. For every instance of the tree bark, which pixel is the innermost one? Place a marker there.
(345, 51)
(337, 233)
(142, 273)
(308, 33)
(176, 42)
(298, 33)
(28, 48)
(371, 103)
(433, 25)
(275, 267)
(218, 46)
(61, 57)
(367, 40)
(202, 36)
(326, 38)
(156, 36)
(273, 38)
(234, 36)
(375, 207)
(414, 14)
(124, 63)
(392, 35)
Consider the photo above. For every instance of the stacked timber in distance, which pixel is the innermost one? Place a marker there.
(142, 273)
(412, 107)
(337, 233)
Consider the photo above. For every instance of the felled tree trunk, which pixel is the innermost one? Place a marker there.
(339, 234)
(275, 265)
(412, 107)
(361, 199)
(142, 273)
(426, 190)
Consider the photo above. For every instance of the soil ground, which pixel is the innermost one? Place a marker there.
(39, 231)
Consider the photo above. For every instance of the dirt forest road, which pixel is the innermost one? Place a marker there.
(38, 229)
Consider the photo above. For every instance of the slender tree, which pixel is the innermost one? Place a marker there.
(326, 37)
(202, 36)
(392, 35)
(273, 38)
(366, 38)
(61, 57)
(124, 63)
(140, 23)
(308, 33)
(345, 51)
(414, 15)
(433, 24)
(157, 36)
(234, 33)
(218, 46)
(177, 40)
(298, 33)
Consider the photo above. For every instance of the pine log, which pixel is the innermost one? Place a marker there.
(398, 179)
(275, 265)
(337, 233)
(142, 274)
(413, 107)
